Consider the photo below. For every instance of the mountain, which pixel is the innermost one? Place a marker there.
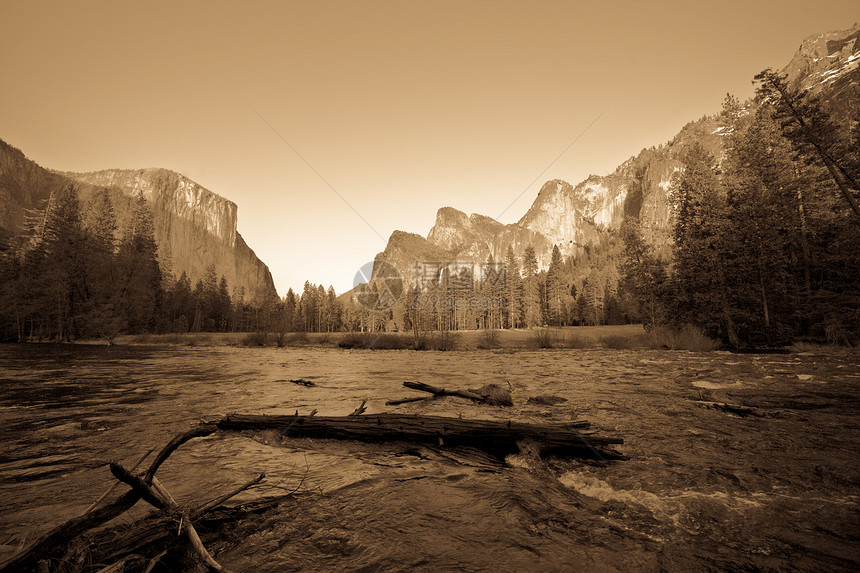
(194, 225)
(574, 217)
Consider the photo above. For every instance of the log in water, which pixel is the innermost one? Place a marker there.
(491, 435)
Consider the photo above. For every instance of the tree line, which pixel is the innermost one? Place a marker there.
(74, 273)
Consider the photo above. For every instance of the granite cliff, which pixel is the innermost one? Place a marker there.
(197, 225)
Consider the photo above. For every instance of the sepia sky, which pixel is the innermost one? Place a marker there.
(397, 107)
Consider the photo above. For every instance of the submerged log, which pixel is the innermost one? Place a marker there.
(422, 387)
(160, 498)
(489, 394)
(27, 559)
(725, 407)
(495, 436)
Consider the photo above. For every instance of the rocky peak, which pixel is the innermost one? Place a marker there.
(451, 229)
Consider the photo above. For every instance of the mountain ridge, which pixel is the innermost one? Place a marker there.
(574, 216)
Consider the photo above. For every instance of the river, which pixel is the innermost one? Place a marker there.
(702, 489)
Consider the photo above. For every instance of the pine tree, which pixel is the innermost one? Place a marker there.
(139, 271)
(58, 261)
(555, 287)
(759, 181)
(531, 289)
(643, 275)
(514, 294)
(809, 128)
(701, 296)
(102, 316)
(309, 307)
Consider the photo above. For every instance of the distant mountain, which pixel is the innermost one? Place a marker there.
(197, 225)
(575, 216)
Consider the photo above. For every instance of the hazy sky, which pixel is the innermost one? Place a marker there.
(402, 107)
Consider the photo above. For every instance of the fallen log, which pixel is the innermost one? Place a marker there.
(159, 498)
(156, 528)
(408, 400)
(422, 387)
(495, 436)
(27, 559)
(489, 394)
(360, 410)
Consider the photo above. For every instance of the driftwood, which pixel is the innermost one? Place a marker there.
(154, 529)
(158, 497)
(489, 435)
(477, 396)
(725, 407)
(493, 436)
(59, 536)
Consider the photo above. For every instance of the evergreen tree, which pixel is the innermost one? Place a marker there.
(555, 288)
(102, 316)
(701, 295)
(58, 261)
(643, 275)
(514, 294)
(139, 271)
(290, 310)
(531, 289)
(808, 126)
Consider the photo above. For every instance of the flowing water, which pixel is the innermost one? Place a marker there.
(703, 489)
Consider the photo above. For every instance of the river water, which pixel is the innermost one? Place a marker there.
(703, 489)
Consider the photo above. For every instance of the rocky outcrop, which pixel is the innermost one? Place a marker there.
(198, 225)
(829, 64)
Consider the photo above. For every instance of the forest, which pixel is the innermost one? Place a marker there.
(766, 249)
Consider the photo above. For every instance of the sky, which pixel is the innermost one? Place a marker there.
(332, 124)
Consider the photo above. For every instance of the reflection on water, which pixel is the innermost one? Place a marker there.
(702, 488)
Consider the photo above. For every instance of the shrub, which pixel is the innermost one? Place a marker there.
(375, 341)
(256, 339)
(297, 338)
(488, 339)
(420, 341)
(620, 342)
(687, 337)
(544, 338)
(388, 342)
(444, 340)
(354, 340)
(280, 339)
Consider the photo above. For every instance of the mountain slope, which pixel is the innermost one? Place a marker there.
(573, 217)
(198, 225)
